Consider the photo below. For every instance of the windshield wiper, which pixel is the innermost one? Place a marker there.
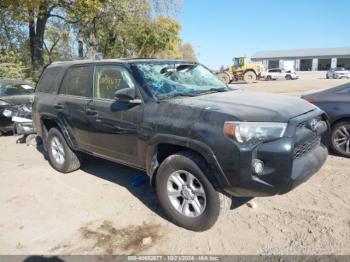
(178, 94)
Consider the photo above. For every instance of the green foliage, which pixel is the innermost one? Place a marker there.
(159, 39)
(11, 66)
(66, 29)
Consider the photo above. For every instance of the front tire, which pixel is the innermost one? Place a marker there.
(224, 77)
(61, 157)
(185, 193)
(288, 77)
(268, 78)
(340, 138)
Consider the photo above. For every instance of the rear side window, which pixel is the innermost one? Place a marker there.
(47, 83)
(78, 81)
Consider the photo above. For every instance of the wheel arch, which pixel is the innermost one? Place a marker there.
(48, 122)
(164, 146)
(345, 118)
(250, 70)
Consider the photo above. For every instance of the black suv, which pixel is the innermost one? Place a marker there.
(196, 138)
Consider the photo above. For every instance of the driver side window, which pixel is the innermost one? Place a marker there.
(109, 79)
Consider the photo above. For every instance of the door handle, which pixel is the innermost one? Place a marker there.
(58, 106)
(91, 112)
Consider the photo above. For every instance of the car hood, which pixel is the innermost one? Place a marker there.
(341, 72)
(250, 106)
(18, 99)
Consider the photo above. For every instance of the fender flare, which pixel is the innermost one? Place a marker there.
(71, 142)
(218, 177)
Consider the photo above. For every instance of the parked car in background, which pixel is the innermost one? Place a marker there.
(336, 103)
(13, 93)
(278, 73)
(198, 140)
(337, 73)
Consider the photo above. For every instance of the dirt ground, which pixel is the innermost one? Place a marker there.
(96, 210)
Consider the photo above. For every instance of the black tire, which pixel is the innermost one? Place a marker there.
(268, 78)
(288, 77)
(71, 161)
(196, 166)
(342, 148)
(327, 76)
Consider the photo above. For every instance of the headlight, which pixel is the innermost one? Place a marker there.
(3, 103)
(253, 133)
(7, 113)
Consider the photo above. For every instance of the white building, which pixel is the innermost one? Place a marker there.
(305, 59)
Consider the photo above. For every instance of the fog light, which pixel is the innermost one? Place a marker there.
(258, 166)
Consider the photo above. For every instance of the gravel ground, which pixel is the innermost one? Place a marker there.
(96, 210)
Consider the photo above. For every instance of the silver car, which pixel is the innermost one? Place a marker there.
(280, 73)
(337, 73)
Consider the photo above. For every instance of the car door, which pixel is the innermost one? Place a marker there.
(74, 94)
(272, 73)
(279, 74)
(115, 125)
(283, 73)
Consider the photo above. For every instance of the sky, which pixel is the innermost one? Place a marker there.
(221, 29)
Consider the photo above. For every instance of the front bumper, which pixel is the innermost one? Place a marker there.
(288, 161)
(6, 124)
(341, 76)
(305, 167)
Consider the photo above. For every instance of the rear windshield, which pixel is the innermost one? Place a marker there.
(10, 89)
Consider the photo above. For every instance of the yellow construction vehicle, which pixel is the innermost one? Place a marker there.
(242, 70)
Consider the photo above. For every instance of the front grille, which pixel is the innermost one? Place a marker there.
(306, 147)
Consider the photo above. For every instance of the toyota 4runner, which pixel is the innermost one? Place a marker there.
(198, 139)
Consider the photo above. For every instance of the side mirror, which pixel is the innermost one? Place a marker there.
(126, 95)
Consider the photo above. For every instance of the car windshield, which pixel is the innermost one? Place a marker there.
(340, 69)
(10, 89)
(168, 79)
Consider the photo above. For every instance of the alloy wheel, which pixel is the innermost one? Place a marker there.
(57, 150)
(342, 139)
(186, 193)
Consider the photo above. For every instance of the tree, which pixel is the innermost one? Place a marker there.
(159, 39)
(36, 14)
(12, 34)
(11, 66)
(123, 28)
(188, 52)
(57, 41)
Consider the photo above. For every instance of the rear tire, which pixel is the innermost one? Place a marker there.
(249, 76)
(185, 193)
(288, 77)
(61, 157)
(268, 78)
